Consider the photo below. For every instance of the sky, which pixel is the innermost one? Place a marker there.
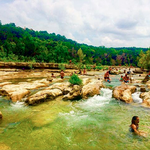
(109, 23)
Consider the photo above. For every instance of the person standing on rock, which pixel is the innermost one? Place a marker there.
(84, 71)
(62, 74)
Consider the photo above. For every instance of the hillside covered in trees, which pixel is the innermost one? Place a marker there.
(23, 44)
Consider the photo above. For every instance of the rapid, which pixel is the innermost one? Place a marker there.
(97, 123)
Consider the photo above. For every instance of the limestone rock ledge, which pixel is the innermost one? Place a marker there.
(16, 92)
(69, 92)
(146, 98)
(124, 93)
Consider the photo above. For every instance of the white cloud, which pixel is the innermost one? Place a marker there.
(109, 23)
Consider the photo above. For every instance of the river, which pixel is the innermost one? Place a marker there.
(98, 123)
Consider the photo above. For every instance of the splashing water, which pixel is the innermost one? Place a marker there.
(99, 122)
(136, 97)
(18, 105)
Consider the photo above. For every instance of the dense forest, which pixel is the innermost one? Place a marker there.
(23, 44)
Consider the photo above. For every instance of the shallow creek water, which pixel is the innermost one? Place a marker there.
(98, 123)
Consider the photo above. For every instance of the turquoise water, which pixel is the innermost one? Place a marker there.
(98, 123)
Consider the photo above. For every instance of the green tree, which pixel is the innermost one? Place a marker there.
(81, 55)
(144, 60)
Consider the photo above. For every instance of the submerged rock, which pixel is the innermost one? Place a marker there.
(124, 93)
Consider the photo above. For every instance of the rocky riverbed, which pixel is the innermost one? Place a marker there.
(19, 84)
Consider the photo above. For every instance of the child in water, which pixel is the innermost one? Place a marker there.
(121, 79)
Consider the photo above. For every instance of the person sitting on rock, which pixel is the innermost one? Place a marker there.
(126, 78)
(53, 75)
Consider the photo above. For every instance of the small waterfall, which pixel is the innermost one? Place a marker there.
(17, 105)
(136, 97)
(92, 104)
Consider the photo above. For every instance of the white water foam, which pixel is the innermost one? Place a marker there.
(136, 97)
(18, 104)
(92, 104)
(97, 101)
(82, 111)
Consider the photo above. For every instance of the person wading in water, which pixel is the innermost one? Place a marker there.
(135, 126)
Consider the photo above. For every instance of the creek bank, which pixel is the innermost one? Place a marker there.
(29, 65)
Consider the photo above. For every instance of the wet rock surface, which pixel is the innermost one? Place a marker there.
(124, 93)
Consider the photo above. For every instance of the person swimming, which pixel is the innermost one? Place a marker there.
(135, 126)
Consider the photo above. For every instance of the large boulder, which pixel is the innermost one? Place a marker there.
(74, 94)
(43, 95)
(18, 91)
(14, 92)
(92, 88)
(146, 98)
(124, 93)
(18, 94)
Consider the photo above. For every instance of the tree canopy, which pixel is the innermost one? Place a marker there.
(23, 44)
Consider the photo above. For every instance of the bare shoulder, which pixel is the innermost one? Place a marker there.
(133, 126)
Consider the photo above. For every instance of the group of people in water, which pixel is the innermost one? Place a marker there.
(126, 78)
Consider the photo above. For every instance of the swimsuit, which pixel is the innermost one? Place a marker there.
(131, 130)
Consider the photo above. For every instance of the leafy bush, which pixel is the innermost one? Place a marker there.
(61, 66)
(99, 67)
(88, 67)
(75, 80)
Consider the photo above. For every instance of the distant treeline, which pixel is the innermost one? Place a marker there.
(23, 44)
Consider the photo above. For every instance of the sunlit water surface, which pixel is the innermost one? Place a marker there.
(98, 123)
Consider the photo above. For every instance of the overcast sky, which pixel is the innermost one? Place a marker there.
(110, 23)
